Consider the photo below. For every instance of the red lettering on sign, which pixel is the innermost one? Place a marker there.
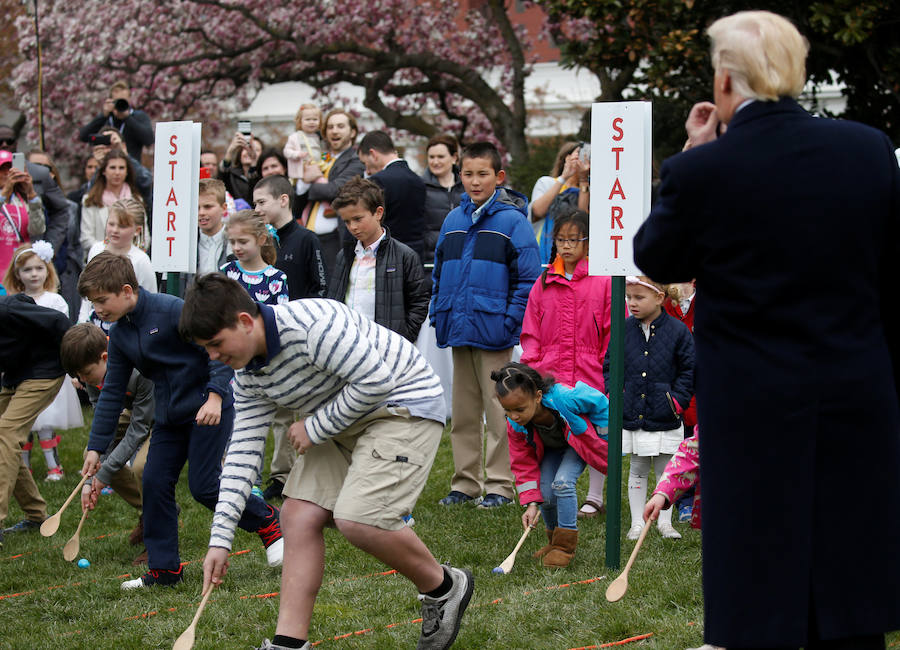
(172, 164)
(617, 151)
(615, 239)
(172, 198)
(170, 221)
(615, 217)
(171, 240)
(618, 129)
(617, 189)
(173, 143)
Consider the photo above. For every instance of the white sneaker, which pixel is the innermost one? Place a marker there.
(706, 646)
(634, 532)
(668, 531)
(275, 553)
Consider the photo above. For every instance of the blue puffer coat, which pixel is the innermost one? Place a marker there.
(483, 272)
(662, 364)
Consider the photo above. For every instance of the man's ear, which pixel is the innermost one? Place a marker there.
(104, 356)
(245, 320)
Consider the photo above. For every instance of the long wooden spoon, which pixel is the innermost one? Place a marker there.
(51, 524)
(619, 586)
(186, 640)
(70, 550)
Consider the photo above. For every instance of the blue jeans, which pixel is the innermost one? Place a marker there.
(560, 469)
(170, 447)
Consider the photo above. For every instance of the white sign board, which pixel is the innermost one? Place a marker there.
(621, 159)
(176, 175)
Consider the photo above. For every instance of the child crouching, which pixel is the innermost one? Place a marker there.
(554, 432)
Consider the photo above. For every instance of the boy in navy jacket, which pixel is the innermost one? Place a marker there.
(194, 412)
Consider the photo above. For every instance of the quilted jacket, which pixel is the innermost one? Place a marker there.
(654, 367)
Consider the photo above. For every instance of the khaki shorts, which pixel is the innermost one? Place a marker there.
(371, 473)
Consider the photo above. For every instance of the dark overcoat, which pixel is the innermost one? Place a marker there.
(789, 223)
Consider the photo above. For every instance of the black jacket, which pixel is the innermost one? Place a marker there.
(439, 201)
(136, 130)
(404, 204)
(790, 225)
(300, 257)
(238, 185)
(29, 340)
(401, 295)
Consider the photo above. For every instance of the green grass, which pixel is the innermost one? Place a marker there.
(68, 607)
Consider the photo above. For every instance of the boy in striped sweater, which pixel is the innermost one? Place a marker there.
(373, 415)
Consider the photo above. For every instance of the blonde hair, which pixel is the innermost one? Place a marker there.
(21, 255)
(130, 212)
(255, 225)
(764, 53)
(213, 186)
(307, 107)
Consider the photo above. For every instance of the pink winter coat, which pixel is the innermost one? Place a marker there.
(585, 413)
(683, 471)
(566, 328)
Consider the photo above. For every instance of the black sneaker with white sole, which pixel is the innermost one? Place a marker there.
(441, 616)
(155, 577)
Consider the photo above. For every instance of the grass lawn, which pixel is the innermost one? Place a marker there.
(46, 602)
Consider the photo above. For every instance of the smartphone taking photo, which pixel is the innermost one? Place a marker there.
(244, 128)
(18, 161)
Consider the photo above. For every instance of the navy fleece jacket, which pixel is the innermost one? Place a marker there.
(182, 374)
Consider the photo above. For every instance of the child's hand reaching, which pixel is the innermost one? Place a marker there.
(656, 503)
(530, 516)
(210, 413)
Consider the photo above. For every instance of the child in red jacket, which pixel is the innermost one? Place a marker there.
(554, 432)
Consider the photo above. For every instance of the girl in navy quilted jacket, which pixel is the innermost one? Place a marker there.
(659, 384)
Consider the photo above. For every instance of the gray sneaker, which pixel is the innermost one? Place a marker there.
(441, 616)
(268, 645)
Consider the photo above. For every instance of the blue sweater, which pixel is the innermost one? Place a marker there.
(483, 272)
(147, 338)
(663, 364)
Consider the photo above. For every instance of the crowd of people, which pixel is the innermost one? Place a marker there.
(329, 279)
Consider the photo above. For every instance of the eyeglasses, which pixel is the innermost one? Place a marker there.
(562, 243)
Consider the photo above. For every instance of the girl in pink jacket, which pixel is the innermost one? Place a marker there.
(567, 323)
(553, 431)
(682, 472)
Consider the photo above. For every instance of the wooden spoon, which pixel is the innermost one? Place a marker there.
(186, 640)
(70, 550)
(619, 586)
(51, 524)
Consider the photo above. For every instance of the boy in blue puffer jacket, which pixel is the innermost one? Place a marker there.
(485, 263)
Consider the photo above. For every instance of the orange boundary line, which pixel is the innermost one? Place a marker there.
(496, 601)
(630, 639)
(53, 548)
(118, 577)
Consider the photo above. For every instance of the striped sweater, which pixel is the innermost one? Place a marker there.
(334, 365)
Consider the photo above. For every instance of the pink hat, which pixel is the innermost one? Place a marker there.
(5, 157)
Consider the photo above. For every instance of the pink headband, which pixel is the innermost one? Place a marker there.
(633, 279)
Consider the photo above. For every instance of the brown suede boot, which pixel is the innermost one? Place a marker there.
(136, 536)
(542, 551)
(564, 543)
(140, 559)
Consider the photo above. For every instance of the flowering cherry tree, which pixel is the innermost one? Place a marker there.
(424, 66)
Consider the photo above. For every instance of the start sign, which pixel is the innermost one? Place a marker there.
(176, 176)
(621, 171)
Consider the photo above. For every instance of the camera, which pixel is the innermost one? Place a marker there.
(121, 105)
(585, 153)
(100, 138)
(244, 128)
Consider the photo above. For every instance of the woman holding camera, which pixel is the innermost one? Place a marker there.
(239, 167)
(21, 210)
(566, 189)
